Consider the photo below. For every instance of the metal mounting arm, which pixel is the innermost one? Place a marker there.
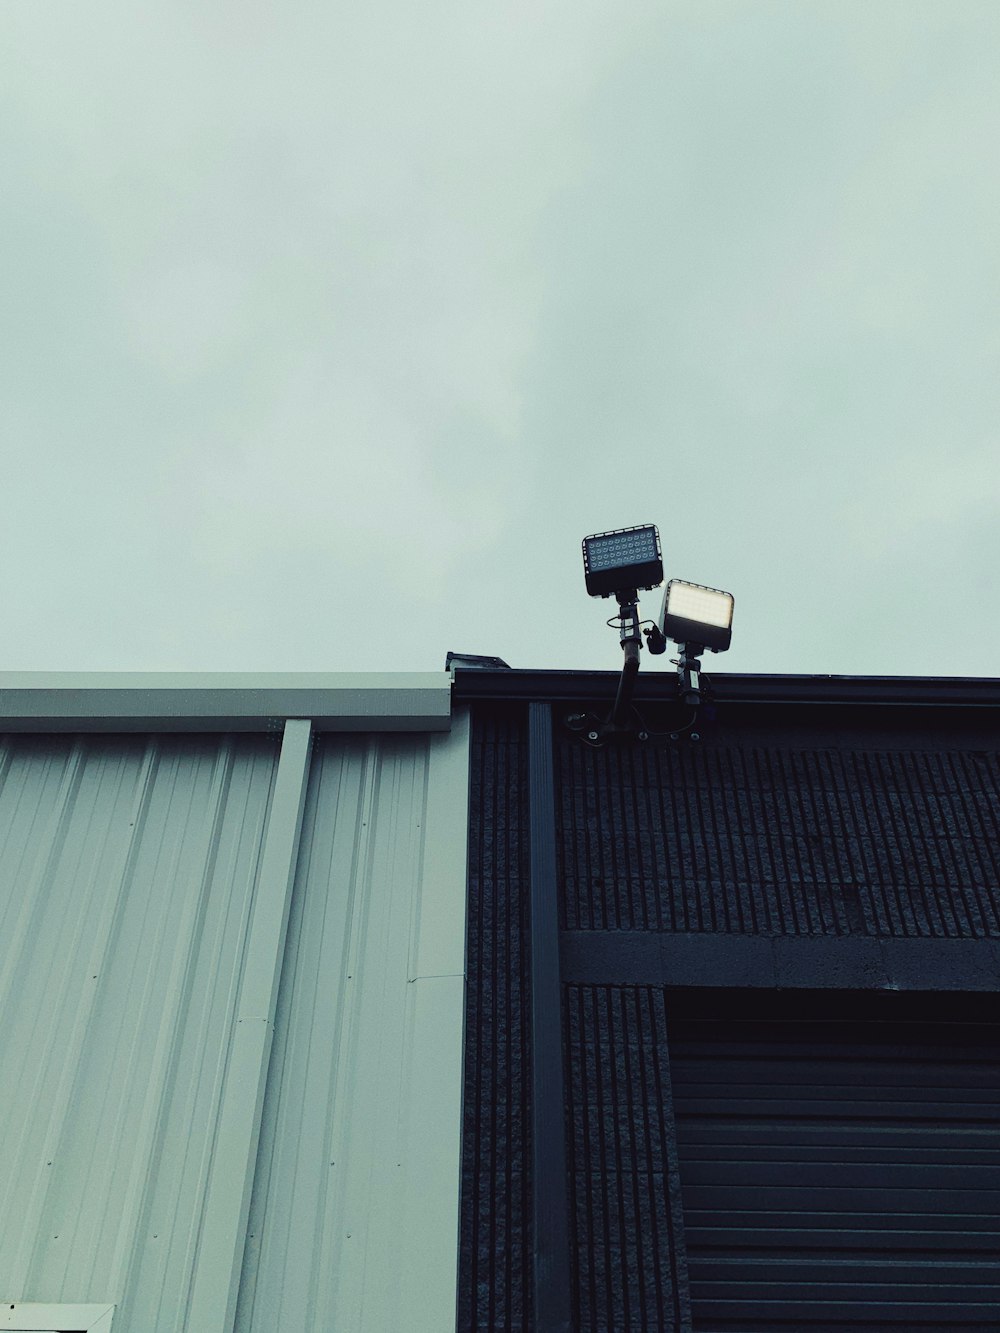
(631, 641)
(689, 673)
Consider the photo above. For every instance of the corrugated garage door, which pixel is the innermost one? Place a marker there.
(839, 1172)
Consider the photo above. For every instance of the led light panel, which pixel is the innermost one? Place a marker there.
(621, 548)
(695, 614)
(693, 602)
(624, 558)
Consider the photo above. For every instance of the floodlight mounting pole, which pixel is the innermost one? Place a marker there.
(631, 641)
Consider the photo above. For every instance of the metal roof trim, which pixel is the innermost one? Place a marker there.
(905, 691)
(224, 701)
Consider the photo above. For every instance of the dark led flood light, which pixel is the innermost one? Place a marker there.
(693, 614)
(624, 559)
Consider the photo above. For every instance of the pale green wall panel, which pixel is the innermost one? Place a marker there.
(127, 867)
(144, 880)
(354, 1219)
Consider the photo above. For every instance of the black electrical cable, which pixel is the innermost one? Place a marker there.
(672, 731)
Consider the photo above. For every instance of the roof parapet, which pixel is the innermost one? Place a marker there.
(223, 701)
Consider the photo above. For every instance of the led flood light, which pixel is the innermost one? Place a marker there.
(697, 615)
(623, 559)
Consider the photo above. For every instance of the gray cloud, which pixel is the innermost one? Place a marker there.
(408, 299)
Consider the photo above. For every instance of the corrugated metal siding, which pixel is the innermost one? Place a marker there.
(495, 1264)
(127, 871)
(132, 888)
(354, 1216)
(629, 1268)
(840, 1174)
(885, 827)
(759, 838)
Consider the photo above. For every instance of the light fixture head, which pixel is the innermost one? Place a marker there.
(621, 559)
(693, 613)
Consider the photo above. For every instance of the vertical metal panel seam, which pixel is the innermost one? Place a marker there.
(264, 1299)
(551, 1238)
(222, 1235)
(435, 1077)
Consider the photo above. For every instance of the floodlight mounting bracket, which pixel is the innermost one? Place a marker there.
(631, 641)
(623, 723)
(689, 672)
(619, 724)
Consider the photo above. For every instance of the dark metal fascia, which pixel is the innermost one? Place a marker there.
(850, 691)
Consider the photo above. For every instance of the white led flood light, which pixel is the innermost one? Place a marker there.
(697, 615)
(623, 559)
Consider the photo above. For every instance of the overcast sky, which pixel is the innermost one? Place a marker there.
(330, 329)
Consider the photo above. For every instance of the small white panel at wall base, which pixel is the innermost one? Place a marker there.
(32, 1317)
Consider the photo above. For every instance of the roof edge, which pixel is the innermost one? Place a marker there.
(884, 691)
(223, 701)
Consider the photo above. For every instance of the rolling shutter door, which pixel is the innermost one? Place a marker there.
(839, 1174)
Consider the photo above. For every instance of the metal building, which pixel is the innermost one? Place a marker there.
(763, 1093)
(378, 1003)
(232, 919)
